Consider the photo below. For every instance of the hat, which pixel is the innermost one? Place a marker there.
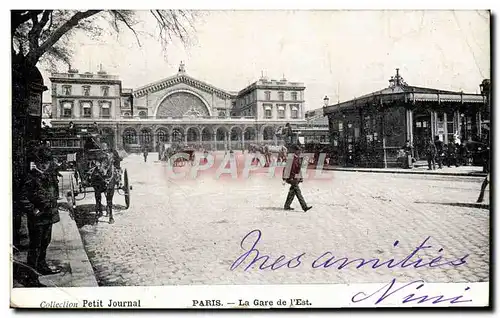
(44, 153)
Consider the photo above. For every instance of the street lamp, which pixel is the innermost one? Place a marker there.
(326, 100)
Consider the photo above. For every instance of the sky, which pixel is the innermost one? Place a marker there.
(340, 54)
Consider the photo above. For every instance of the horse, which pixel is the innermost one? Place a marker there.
(103, 177)
(280, 151)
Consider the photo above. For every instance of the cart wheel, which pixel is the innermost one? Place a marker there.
(126, 188)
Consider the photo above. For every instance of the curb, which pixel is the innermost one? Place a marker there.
(69, 247)
(81, 268)
(460, 174)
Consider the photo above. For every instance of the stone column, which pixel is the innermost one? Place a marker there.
(115, 132)
(215, 140)
(456, 120)
(478, 123)
(433, 124)
(185, 137)
(409, 125)
(445, 126)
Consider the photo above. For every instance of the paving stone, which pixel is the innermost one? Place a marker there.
(189, 232)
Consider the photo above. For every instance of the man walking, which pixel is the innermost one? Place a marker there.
(41, 194)
(294, 179)
(430, 152)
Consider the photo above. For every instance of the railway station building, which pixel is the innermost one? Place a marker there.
(176, 109)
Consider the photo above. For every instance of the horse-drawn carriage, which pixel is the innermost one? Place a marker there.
(92, 168)
(171, 150)
(317, 148)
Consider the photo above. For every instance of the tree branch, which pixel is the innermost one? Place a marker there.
(123, 19)
(19, 17)
(34, 33)
(34, 56)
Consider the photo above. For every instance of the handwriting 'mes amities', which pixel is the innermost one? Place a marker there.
(252, 256)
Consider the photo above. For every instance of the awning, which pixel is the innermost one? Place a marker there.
(267, 107)
(281, 107)
(86, 105)
(105, 105)
(295, 107)
(67, 106)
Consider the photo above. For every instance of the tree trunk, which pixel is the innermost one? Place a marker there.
(27, 82)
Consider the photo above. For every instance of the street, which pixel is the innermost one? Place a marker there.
(189, 232)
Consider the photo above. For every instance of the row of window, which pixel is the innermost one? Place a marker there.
(85, 109)
(268, 111)
(142, 114)
(281, 95)
(146, 136)
(267, 95)
(68, 90)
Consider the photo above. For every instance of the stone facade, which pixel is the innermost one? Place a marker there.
(181, 109)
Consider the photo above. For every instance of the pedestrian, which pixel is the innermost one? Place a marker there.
(430, 152)
(452, 154)
(293, 179)
(439, 151)
(407, 148)
(485, 183)
(41, 194)
(145, 153)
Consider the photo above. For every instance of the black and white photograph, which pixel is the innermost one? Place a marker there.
(250, 159)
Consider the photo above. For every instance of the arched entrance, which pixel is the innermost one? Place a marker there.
(162, 135)
(207, 138)
(193, 136)
(236, 134)
(108, 136)
(177, 135)
(268, 135)
(161, 138)
(222, 136)
(146, 138)
(129, 137)
(250, 135)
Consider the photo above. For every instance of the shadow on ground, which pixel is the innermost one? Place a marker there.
(85, 214)
(460, 204)
(273, 208)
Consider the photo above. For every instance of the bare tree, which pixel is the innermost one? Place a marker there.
(46, 33)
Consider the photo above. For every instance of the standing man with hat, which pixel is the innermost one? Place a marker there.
(41, 194)
(294, 179)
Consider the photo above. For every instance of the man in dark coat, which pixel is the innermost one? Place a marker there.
(452, 154)
(40, 195)
(439, 149)
(145, 152)
(294, 178)
(430, 152)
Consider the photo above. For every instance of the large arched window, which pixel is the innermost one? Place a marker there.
(129, 137)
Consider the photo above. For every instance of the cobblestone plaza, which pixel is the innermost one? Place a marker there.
(189, 232)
